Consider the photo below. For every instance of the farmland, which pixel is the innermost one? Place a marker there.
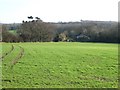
(13, 32)
(59, 65)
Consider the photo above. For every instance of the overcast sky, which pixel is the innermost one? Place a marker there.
(14, 11)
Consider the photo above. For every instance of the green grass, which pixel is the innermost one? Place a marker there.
(13, 31)
(6, 48)
(61, 65)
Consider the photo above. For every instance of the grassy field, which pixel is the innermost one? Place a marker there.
(14, 32)
(59, 65)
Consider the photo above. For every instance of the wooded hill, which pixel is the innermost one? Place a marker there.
(83, 31)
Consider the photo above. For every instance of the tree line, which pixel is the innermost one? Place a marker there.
(36, 30)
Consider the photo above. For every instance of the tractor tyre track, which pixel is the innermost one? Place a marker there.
(18, 57)
(14, 61)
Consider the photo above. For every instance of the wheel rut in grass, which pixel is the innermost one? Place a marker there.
(7, 53)
(14, 61)
(18, 57)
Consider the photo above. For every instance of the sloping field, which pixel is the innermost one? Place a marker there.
(60, 65)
